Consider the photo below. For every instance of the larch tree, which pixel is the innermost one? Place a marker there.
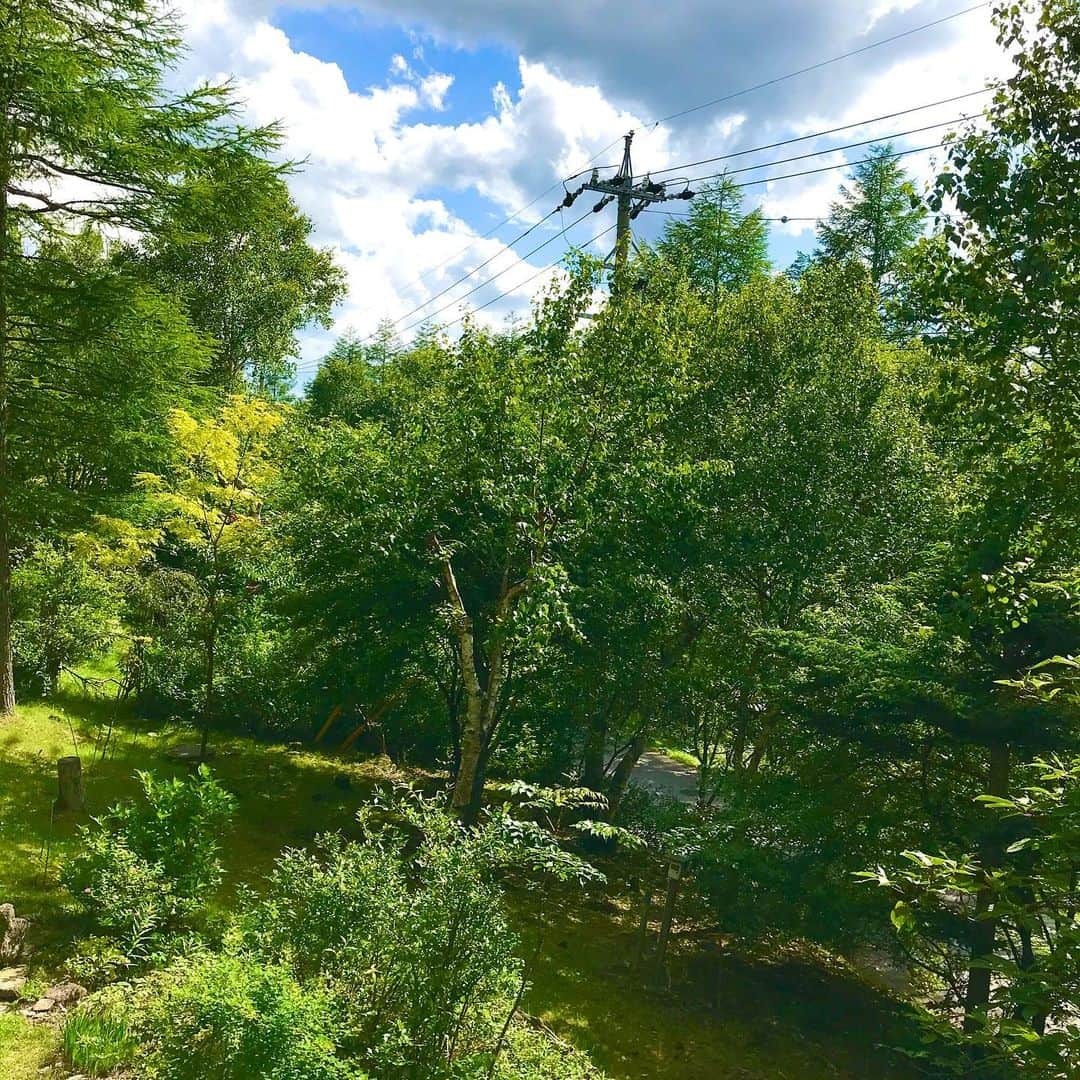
(876, 220)
(719, 246)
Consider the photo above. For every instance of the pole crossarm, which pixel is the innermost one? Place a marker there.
(632, 199)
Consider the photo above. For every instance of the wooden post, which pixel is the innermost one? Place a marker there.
(674, 876)
(71, 797)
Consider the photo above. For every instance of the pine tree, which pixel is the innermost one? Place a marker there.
(718, 245)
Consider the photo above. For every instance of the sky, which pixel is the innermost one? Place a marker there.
(423, 125)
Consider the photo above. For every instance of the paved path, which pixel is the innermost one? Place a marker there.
(657, 772)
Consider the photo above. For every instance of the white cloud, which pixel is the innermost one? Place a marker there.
(369, 165)
(374, 155)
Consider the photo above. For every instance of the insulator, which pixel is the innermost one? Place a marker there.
(602, 203)
(687, 194)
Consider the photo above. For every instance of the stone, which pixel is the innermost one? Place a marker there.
(12, 981)
(66, 993)
(12, 934)
(42, 1005)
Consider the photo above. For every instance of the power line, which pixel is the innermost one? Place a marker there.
(823, 168)
(684, 214)
(495, 277)
(506, 247)
(835, 149)
(748, 168)
(827, 131)
(743, 184)
(820, 64)
(529, 280)
(685, 112)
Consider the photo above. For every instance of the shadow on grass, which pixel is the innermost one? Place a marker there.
(778, 1021)
(771, 1021)
(284, 799)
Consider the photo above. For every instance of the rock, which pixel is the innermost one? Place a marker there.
(12, 934)
(12, 981)
(42, 1005)
(66, 993)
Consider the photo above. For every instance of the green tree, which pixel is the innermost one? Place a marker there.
(65, 611)
(88, 137)
(876, 220)
(212, 500)
(246, 271)
(461, 491)
(717, 244)
(1001, 290)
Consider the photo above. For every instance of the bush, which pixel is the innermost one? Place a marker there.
(408, 930)
(232, 1017)
(147, 867)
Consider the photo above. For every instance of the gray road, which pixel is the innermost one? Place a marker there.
(665, 775)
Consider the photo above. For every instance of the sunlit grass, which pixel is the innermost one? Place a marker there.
(26, 1049)
(770, 1023)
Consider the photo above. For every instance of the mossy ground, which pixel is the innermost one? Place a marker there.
(775, 1021)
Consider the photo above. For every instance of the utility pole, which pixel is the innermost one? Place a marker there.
(632, 199)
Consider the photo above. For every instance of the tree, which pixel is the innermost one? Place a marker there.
(461, 492)
(88, 137)
(1001, 291)
(212, 499)
(246, 272)
(718, 246)
(65, 611)
(876, 220)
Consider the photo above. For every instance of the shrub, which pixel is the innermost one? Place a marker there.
(233, 1017)
(409, 931)
(146, 867)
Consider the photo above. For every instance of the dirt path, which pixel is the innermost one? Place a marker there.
(666, 776)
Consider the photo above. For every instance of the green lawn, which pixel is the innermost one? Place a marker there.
(780, 1022)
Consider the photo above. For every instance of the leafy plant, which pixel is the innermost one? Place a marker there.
(145, 867)
(233, 1017)
(97, 1043)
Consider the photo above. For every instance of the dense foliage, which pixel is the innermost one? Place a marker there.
(819, 529)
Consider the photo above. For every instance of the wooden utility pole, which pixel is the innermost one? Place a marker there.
(632, 199)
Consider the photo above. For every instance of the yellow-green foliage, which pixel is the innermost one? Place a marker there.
(213, 493)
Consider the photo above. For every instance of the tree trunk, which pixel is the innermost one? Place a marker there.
(7, 666)
(984, 932)
(208, 704)
(71, 797)
(620, 778)
(52, 676)
(472, 748)
(592, 762)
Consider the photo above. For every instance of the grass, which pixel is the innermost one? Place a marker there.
(97, 1045)
(683, 757)
(781, 1022)
(26, 1049)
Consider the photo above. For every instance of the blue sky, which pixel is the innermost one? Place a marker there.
(423, 123)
